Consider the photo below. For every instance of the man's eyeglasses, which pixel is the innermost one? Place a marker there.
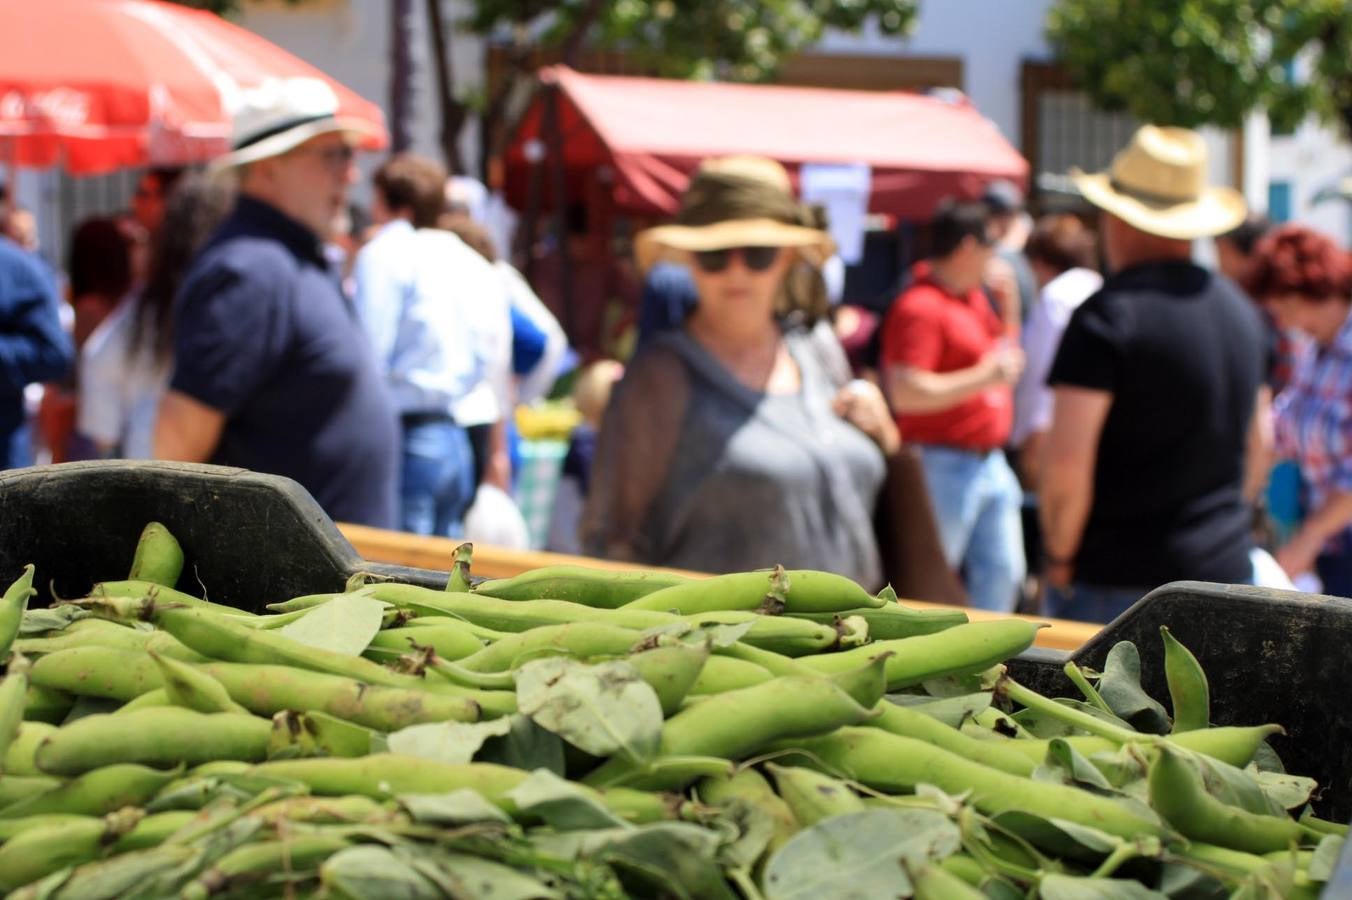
(334, 158)
(757, 259)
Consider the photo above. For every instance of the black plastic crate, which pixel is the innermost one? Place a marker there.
(1270, 656)
(250, 539)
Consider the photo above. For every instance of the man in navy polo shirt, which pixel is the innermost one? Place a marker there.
(272, 371)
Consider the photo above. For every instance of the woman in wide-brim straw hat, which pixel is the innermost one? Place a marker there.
(737, 441)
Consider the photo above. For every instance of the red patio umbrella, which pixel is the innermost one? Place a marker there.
(99, 85)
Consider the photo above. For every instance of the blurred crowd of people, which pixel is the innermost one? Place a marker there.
(1092, 412)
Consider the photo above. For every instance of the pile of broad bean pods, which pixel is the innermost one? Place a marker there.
(572, 733)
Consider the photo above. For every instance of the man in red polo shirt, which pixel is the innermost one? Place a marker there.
(949, 366)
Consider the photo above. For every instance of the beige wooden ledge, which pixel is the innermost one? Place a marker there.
(399, 548)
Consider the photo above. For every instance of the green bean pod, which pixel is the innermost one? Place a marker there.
(95, 793)
(449, 642)
(513, 615)
(254, 862)
(1178, 794)
(808, 591)
(485, 635)
(931, 881)
(14, 788)
(894, 621)
(750, 786)
(302, 603)
(41, 851)
(96, 672)
(153, 830)
(384, 775)
(158, 557)
(895, 764)
(104, 633)
(960, 650)
(1188, 690)
(12, 607)
(18, 758)
(598, 588)
(1235, 745)
(738, 723)
(11, 827)
(813, 796)
(157, 697)
(909, 723)
(580, 639)
(724, 673)
(266, 690)
(672, 670)
(778, 634)
(114, 877)
(132, 589)
(775, 663)
(13, 689)
(665, 773)
(458, 582)
(325, 810)
(191, 688)
(42, 704)
(866, 684)
(160, 737)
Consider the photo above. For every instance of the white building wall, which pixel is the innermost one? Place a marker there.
(992, 37)
(1310, 161)
(350, 41)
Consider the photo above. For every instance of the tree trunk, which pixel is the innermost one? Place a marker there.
(453, 112)
(401, 75)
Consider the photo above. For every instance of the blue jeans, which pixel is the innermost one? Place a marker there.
(1335, 571)
(976, 501)
(437, 480)
(1090, 603)
(16, 448)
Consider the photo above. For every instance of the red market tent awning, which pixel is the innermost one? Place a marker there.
(652, 133)
(99, 85)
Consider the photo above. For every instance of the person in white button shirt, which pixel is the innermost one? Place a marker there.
(1063, 254)
(428, 303)
(126, 361)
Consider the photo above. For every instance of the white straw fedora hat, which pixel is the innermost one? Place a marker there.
(280, 115)
(1157, 184)
(737, 201)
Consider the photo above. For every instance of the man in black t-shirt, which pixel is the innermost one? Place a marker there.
(271, 369)
(1156, 384)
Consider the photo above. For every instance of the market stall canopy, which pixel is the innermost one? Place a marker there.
(99, 85)
(652, 133)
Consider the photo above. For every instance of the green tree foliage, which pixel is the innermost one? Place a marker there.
(1194, 62)
(741, 40)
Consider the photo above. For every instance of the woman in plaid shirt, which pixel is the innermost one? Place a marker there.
(1305, 279)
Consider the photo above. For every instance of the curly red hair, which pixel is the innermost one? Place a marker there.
(1294, 259)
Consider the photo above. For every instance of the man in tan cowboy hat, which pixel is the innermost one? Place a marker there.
(1157, 394)
(271, 369)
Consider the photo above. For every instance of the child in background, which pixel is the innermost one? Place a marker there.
(591, 395)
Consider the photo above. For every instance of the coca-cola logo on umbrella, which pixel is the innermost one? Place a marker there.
(58, 106)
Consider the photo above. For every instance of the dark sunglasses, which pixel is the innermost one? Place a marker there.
(757, 259)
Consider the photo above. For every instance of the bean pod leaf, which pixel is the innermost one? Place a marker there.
(859, 855)
(451, 742)
(603, 710)
(1120, 687)
(346, 624)
(1067, 887)
(1325, 858)
(562, 804)
(370, 871)
(462, 807)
